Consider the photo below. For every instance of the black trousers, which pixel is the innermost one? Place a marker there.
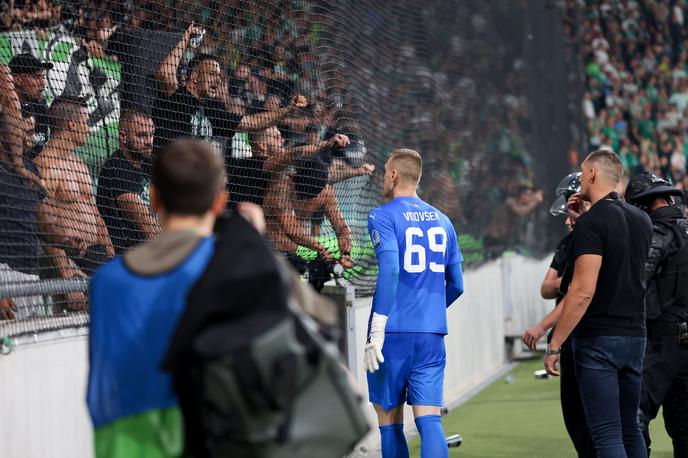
(665, 384)
(572, 407)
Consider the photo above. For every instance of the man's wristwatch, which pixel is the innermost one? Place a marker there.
(552, 351)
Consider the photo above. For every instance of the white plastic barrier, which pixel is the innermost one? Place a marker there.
(43, 384)
(43, 398)
(523, 305)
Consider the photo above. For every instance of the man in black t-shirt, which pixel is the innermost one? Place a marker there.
(554, 286)
(123, 199)
(149, 60)
(29, 77)
(201, 109)
(605, 306)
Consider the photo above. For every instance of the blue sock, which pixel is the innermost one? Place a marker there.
(393, 441)
(433, 444)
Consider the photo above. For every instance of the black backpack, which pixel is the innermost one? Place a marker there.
(254, 376)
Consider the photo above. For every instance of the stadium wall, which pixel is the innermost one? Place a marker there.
(43, 380)
(43, 397)
(517, 271)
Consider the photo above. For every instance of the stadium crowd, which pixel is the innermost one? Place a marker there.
(247, 80)
(636, 100)
(464, 102)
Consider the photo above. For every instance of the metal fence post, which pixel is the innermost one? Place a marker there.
(343, 297)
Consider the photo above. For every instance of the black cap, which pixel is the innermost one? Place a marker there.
(27, 63)
(646, 185)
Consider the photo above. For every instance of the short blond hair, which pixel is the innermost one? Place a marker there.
(607, 163)
(407, 163)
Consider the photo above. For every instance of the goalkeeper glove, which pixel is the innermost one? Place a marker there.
(373, 350)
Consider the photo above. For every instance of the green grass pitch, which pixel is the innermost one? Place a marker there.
(522, 419)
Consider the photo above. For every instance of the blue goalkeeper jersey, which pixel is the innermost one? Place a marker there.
(425, 242)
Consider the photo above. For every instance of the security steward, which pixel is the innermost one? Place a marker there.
(665, 373)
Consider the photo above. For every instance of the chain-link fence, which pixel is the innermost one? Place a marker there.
(304, 100)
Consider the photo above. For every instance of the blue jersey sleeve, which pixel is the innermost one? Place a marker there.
(453, 251)
(387, 280)
(453, 273)
(383, 237)
(454, 278)
(381, 230)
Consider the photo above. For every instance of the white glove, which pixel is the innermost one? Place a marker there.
(373, 350)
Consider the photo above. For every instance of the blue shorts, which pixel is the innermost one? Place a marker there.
(413, 370)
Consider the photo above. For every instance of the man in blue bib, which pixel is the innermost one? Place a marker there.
(136, 302)
(419, 276)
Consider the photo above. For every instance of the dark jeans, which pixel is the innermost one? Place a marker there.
(572, 407)
(665, 383)
(609, 371)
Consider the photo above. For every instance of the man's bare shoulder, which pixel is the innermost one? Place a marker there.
(64, 172)
(51, 151)
(326, 198)
(60, 159)
(49, 164)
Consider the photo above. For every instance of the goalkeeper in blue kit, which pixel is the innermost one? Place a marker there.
(419, 277)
